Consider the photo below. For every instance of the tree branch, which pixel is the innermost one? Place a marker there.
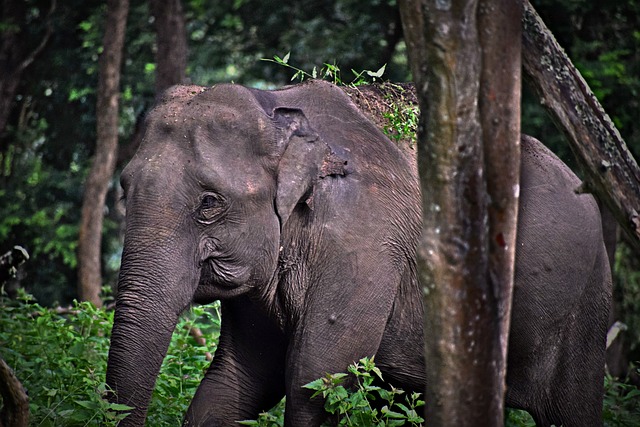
(611, 171)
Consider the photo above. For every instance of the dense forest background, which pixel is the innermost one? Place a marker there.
(49, 138)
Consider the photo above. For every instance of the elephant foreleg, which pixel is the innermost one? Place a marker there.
(346, 314)
(246, 375)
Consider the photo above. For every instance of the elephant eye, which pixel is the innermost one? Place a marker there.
(210, 206)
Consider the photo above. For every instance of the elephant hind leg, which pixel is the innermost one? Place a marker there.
(561, 381)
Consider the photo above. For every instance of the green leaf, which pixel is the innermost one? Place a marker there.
(119, 407)
(315, 385)
(94, 406)
(391, 414)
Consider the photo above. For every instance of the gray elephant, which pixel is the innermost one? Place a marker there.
(303, 218)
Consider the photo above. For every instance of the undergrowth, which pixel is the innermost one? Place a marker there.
(61, 360)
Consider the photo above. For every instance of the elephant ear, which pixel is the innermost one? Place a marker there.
(301, 159)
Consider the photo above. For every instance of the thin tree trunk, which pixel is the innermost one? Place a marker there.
(171, 39)
(171, 59)
(89, 245)
(464, 310)
(611, 171)
(499, 22)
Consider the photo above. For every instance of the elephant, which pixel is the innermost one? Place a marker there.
(302, 217)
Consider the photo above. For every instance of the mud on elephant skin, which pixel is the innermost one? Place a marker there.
(302, 217)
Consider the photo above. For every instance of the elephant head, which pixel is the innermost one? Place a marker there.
(212, 185)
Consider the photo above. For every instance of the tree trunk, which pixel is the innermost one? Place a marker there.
(611, 171)
(15, 408)
(171, 40)
(90, 239)
(499, 104)
(171, 60)
(466, 287)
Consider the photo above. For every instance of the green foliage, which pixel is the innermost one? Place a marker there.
(38, 210)
(61, 360)
(184, 366)
(357, 400)
(271, 418)
(621, 403)
(627, 295)
(402, 122)
(518, 418)
(61, 357)
(358, 408)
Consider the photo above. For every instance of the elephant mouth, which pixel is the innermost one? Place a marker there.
(222, 273)
(218, 284)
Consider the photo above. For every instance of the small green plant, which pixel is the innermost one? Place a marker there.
(367, 404)
(271, 418)
(402, 122)
(518, 418)
(362, 403)
(330, 72)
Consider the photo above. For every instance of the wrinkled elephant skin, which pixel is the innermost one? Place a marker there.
(303, 218)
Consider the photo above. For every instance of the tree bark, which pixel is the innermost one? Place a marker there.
(171, 40)
(15, 409)
(499, 102)
(610, 170)
(101, 172)
(466, 303)
(171, 60)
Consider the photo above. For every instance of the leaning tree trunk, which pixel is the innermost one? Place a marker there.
(611, 171)
(465, 257)
(101, 172)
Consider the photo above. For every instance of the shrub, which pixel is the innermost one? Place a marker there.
(61, 356)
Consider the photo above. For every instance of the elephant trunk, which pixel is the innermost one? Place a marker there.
(148, 305)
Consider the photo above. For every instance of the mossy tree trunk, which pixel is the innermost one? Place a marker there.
(611, 171)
